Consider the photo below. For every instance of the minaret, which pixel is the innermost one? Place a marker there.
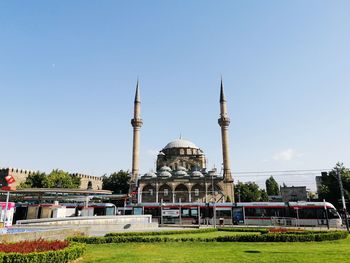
(224, 122)
(136, 123)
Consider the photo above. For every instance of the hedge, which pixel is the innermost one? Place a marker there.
(72, 252)
(283, 237)
(279, 237)
(245, 229)
(157, 233)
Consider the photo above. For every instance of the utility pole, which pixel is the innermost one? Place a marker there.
(343, 198)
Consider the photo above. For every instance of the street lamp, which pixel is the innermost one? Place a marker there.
(214, 200)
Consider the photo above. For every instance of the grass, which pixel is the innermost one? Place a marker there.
(311, 252)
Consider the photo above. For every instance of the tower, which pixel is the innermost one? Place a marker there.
(136, 123)
(224, 122)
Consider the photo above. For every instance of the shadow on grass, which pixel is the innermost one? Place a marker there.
(252, 251)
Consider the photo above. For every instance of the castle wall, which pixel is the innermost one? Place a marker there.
(20, 175)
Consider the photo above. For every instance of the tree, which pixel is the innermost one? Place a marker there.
(272, 187)
(329, 189)
(34, 180)
(249, 192)
(118, 182)
(61, 179)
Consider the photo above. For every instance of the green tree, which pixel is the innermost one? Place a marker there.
(249, 192)
(118, 182)
(272, 187)
(329, 189)
(34, 180)
(61, 179)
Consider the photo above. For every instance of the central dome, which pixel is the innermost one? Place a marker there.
(180, 143)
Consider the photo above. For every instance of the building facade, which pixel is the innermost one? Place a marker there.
(181, 174)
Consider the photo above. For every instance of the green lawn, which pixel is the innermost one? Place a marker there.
(313, 252)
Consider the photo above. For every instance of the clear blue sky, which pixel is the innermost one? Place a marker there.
(68, 71)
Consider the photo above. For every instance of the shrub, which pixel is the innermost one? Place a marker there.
(157, 233)
(71, 252)
(244, 229)
(270, 237)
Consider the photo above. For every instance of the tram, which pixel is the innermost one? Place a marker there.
(297, 214)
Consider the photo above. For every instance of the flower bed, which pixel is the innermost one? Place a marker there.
(41, 251)
(39, 245)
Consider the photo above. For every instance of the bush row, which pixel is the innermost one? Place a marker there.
(286, 237)
(72, 252)
(244, 229)
(157, 233)
(290, 237)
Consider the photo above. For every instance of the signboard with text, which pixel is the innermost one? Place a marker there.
(171, 213)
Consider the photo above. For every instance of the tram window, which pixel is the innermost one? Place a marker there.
(150, 191)
(110, 211)
(194, 212)
(152, 211)
(321, 213)
(249, 211)
(307, 213)
(223, 213)
(332, 213)
(185, 212)
(166, 192)
(274, 212)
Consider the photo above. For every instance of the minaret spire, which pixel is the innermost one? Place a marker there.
(136, 123)
(137, 92)
(224, 122)
(222, 95)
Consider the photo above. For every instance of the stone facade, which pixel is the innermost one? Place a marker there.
(20, 175)
(181, 177)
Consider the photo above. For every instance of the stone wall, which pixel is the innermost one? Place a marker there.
(19, 175)
(86, 181)
(89, 182)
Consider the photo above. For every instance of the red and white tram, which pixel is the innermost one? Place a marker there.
(254, 213)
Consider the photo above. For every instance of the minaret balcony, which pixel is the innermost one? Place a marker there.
(224, 121)
(136, 122)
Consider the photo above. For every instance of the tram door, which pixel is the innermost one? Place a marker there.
(237, 216)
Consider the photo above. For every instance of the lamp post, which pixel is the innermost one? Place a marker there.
(343, 199)
(214, 200)
(161, 212)
(180, 212)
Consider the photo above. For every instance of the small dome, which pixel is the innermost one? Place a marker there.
(180, 143)
(197, 174)
(150, 175)
(181, 173)
(181, 168)
(165, 169)
(213, 173)
(165, 174)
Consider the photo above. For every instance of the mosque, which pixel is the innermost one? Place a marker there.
(181, 174)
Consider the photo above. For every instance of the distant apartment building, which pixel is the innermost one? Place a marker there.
(293, 193)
